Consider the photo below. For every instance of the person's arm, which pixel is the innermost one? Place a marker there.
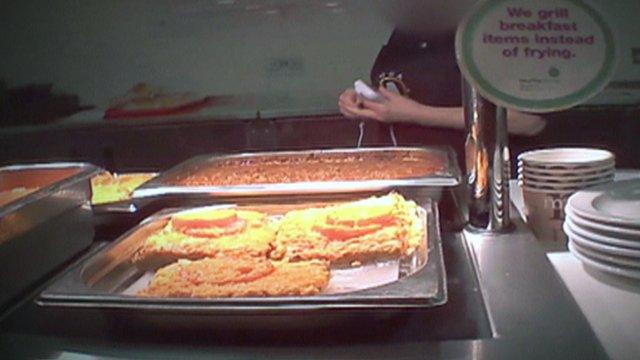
(397, 108)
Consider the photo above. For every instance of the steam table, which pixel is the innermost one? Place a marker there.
(513, 305)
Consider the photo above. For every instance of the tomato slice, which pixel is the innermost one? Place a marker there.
(384, 220)
(235, 227)
(201, 219)
(362, 215)
(331, 220)
(345, 233)
(379, 220)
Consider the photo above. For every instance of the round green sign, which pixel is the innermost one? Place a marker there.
(536, 56)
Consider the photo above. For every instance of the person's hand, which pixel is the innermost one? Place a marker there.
(351, 105)
(393, 108)
(397, 108)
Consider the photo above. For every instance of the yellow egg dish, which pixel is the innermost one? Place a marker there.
(209, 232)
(377, 227)
(107, 187)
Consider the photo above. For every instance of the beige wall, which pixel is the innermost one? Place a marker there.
(99, 49)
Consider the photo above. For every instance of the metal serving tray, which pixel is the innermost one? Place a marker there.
(167, 183)
(41, 230)
(106, 280)
(117, 216)
(117, 207)
(112, 219)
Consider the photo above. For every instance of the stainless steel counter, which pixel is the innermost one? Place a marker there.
(516, 307)
(611, 304)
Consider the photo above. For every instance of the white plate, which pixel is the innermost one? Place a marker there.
(596, 255)
(603, 248)
(566, 157)
(570, 227)
(563, 185)
(615, 203)
(602, 266)
(602, 228)
(572, 177)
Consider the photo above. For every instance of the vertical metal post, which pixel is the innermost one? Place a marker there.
(487, 162)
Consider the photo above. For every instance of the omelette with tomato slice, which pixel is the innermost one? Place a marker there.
(360, 231)
(207, 232)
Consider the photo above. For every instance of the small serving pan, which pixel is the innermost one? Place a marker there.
(108, 279)
(46, 226)
(113, 218)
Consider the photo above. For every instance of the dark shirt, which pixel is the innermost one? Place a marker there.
(429, 69)
(427, 64)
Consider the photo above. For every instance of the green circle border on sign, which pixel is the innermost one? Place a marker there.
(464, 52)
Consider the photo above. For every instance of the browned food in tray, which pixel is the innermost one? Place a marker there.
(207, 232)
(107, 187)
(8, 196)
(238, 277)
(317, 167)
(235, 252)
(365, 230)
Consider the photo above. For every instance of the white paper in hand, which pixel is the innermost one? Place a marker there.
(365, 91)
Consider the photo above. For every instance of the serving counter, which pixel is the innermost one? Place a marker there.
(505, 301)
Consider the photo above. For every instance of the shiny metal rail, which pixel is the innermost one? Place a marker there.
(487, 162)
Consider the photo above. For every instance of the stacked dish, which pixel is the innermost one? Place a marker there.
(603, 226)
(549, 176)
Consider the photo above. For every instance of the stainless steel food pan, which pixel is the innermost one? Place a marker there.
(44, 228)
(108, 279)
(167, 184)
(114, 217)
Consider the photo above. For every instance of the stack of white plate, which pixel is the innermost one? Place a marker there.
(549, 176)
(603, 226)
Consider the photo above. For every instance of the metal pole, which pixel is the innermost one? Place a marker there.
(487, 162)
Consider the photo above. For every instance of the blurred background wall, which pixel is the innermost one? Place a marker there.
(299, 49)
